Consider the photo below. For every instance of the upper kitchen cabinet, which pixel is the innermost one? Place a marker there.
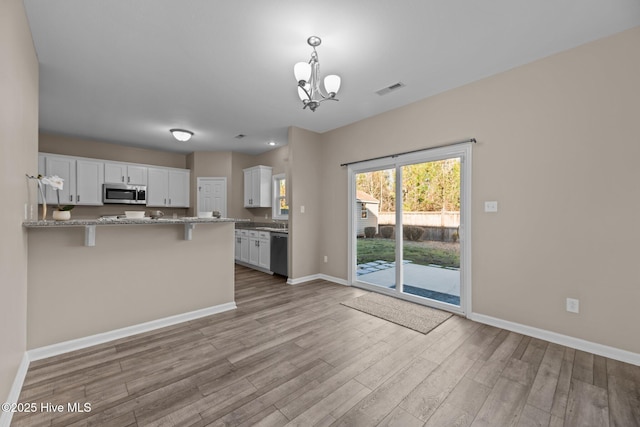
(83, 179)
(257, 187)
(65, 168)
(89, 180)
(125, 173)
(168, 187)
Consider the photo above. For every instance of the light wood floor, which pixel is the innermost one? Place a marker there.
(292, 355)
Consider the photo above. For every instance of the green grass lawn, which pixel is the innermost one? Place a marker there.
(423, 253)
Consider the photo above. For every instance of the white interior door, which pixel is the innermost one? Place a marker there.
(212, 195)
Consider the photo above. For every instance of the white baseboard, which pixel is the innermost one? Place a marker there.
(577, 343)
(333, 279)
(326, 277)
(77, 344)
(16, 388)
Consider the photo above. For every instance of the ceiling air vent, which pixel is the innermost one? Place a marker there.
(391, 88)
(240, 136)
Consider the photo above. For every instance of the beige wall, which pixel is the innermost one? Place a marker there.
(558, 149)
(82, 147)
(306, 188)
(18, 155)
(75, 291)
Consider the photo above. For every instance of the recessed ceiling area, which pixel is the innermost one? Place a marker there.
(128, 71)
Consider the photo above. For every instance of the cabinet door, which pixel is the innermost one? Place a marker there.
(157, 187)
(244, 248)
(89, 179)
(265, 253)
(136, 175)
(115, 172)
(262, 187)
(238, 247)
(254, 250)
(65, 168)
(248, 188)
(178, 194)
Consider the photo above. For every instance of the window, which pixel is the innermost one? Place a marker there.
(280, 206)
(364, 211)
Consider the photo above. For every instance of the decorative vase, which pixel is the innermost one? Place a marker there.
(61, 215)
(44, 201)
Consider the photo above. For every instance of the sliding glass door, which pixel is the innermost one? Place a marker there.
(409, 217)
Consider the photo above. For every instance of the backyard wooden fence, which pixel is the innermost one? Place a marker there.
(423, 219)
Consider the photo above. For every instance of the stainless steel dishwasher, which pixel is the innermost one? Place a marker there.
(279, 259)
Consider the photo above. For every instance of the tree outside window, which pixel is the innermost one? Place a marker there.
(280, 206)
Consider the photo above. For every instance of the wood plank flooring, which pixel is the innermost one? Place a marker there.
(292, 355)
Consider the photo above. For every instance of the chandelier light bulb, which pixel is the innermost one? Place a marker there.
(332, 83)
(302, 71)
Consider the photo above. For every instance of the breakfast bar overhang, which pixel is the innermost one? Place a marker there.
(140, 272)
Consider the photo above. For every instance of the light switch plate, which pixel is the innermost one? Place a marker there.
(491, 206)
(573, 305)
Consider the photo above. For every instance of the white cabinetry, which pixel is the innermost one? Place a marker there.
(260, 249)
(89, 180)
(125, 173)
(242, 246)
(168, 187)
(83, 179)
(65, 168)
(253, 248)
(237, 247)
(257, 187)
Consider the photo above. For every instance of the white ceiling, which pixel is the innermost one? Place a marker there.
(127, 71)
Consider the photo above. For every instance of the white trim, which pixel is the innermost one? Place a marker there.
(312, 277)
(335, 280)
(554, 337)
(302, 279)
(464, 151)
(16, 388)
(79, 343)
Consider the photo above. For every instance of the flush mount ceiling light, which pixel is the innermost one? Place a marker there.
(307, 76)
(181, 135)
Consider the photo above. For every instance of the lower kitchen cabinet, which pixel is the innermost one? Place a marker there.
(242, 246)
(253, 248)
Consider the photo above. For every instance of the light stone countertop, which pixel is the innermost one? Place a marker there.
(127, 221)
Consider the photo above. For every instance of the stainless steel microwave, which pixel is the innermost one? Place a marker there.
(124, 193)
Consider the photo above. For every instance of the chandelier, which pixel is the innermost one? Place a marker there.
(308, 80)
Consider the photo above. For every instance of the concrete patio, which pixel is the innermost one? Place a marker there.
(434, 278)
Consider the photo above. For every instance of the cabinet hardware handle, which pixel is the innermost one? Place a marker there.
(128, 179)
(165, 201)
(122, 178)
(78, 198)
(70, 197)
(169, 202)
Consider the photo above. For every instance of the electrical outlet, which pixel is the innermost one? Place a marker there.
(573, 305)
(326, 258)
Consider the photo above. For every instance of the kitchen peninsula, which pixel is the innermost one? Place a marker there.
(138, 274)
